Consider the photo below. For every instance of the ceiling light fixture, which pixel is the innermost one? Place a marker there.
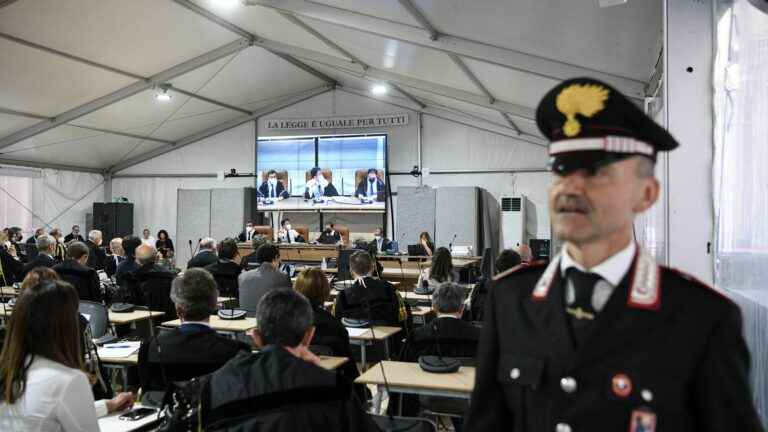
(162, 95)
(379, 89)
(227, 3)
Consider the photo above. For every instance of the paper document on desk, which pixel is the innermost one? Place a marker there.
(119, 349)
(356, 331)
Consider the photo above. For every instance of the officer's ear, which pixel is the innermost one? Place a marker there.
(649, 187)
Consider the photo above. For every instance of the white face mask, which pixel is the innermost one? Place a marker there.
(7, 244)
(249, 228)
(288, 227)
(273, 182)
(377, 237)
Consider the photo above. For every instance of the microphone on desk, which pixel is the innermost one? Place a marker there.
(450, 245)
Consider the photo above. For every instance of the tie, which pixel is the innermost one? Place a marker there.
(249, 235)
(271, 191)
(319, 191)
(581, 313)
(370, 189)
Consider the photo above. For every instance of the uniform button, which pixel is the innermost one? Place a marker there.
(647, 395)
(568, 384)
(563, 427)
(514, 373)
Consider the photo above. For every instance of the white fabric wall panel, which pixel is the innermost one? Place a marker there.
(194, 221)
(401, 140)
(227, 211)
(47, 198)
(448, 145)
(234, 148)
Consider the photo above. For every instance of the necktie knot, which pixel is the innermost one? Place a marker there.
(583, 287)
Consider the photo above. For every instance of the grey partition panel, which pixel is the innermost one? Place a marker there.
(456, 212)
(227, 212)
(415, 213)
(193, 221)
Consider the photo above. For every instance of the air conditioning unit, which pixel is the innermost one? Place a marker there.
(513, 221)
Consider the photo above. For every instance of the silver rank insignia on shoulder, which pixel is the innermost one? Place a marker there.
(579, 313)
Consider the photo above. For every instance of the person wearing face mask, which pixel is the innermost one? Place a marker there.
(318, 187)
(289, 235)
(247, 234)
(371, 188)
(329, 235)
(380, 243)
(272, 188)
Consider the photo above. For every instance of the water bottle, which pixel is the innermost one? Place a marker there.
(323, 265)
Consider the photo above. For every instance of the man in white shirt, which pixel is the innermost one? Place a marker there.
(289, 235)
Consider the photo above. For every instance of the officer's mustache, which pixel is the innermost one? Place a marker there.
(571, 204)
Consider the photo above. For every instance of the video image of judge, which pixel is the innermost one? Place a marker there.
(344, 173)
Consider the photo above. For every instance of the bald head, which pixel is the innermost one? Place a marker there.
(146, 254)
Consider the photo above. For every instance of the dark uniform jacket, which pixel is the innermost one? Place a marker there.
(192, 350)
(202, 259)
(96, 256)
(41, 260)
(328, 238)
(84, 279)
(276, 391)
(377, 302)
(10, 268)
(664, 345)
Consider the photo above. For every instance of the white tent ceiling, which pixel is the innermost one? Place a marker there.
(77, 77)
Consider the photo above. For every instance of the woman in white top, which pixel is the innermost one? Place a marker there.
(147, 239)
(42, 385)
(439, 272)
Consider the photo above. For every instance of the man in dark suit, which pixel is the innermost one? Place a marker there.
(247, 234)
(74, 270)
(255, 284)
(284, 374)
(206, 255)
(46, 246)
(115, 258)
(96, 255)
(380, 244)
(329, 235)
(273, 188)
(31, 245)
(370, 299)
(152, 282)
(193, 349)
(227, 268)
(251, 262)
(603, 334)
(372, 187)
(74, 235)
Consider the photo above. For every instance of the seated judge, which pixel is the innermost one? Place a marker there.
(372, 187)
(46, 247)
(368, 298)
(318, 187)
(255, 284)
(74, 235)
(289, 235)
(227, 268)
(285, 375)
(116, 257)
(246, 234)
(193, 349)
(206, 255)
(75, 270)
(273, 188)
(329, 235)
(380, 243)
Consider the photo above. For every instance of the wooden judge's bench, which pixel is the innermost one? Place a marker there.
(303, 252)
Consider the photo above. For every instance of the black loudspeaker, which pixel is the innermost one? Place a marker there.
(113, 219)
(540, 249)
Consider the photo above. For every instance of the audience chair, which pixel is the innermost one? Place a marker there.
(410, 424)
(344, 233)
(304, 231)
(98, 317)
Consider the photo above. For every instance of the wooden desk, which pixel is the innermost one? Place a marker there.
(117, 318)
(112, 422)
(298, 252)
(409, 378)
(381, 333)
(338, 204)
(332, 363)
(220, 325)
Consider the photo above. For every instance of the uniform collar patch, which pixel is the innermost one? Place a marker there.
(645, 285)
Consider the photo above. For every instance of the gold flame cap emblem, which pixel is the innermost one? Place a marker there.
(584, 99)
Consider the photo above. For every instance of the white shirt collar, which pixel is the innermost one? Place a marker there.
(447, 316)
(612, 269)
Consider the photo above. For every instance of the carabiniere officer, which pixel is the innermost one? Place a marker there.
(603, 338)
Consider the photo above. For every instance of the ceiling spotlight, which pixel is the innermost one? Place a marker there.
(379, 89)
(227, 3)
(162, 95)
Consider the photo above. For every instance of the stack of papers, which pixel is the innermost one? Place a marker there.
(356, 331)
(119, 349)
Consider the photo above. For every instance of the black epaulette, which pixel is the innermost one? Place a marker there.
(520, 269)
(701, 284)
